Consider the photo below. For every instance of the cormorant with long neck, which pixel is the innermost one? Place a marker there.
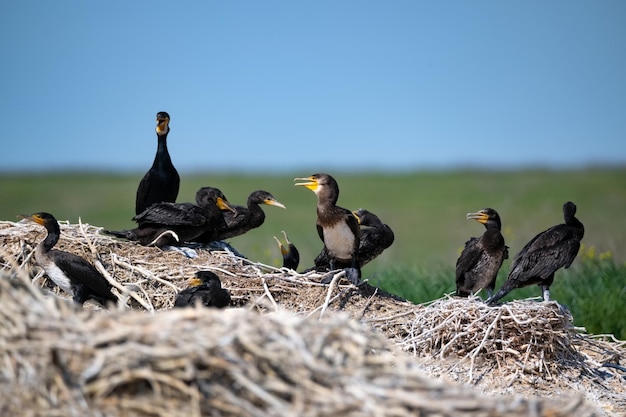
(477, 267)
(336, 226)
(161, 182)
(546, 253)
(73, 274)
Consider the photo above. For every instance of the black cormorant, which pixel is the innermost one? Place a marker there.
(161, 182)
(336, 226)
(549, 251)
(243, 218)
(206, 288)
(478, 265)
(376, 236)
(165, 224)
(72, 273)
(289, 252)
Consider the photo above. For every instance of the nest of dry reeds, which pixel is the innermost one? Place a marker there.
(289, 345)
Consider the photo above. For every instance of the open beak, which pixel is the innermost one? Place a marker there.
(479, 216)
(310, 183)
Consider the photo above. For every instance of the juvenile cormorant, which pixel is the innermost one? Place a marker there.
(376, 236)
(477, 267)
(242, 219)
(175, 223)
(289, 252)
(72, 273)
(336, 226)
(206, 288)
(549, 251)
(161, 182)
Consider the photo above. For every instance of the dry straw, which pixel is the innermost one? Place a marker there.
(289, 346)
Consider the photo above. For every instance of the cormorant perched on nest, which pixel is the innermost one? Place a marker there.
(336, 226)
(289, 252)
(72, 273)
(161, 182)
(549, 251)
(376, 236)
(165, 224)
(477, 267)
(206, 288)
(242, 219)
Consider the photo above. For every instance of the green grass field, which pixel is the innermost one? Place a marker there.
(426, 210)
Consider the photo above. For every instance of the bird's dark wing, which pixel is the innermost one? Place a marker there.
(186, 297)
(173, 214)
(468, 259)
(82, 272)
(545, 261)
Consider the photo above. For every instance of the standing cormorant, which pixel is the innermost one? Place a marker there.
(206, 288)
(165, 224)
(161, 182)
(336, 226)
(477, 267)
(72, 273)
(242, 219)
(289, 252)
(549, 251)
(376, 236)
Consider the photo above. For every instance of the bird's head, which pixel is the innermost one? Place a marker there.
(163, 122)
(41, 218)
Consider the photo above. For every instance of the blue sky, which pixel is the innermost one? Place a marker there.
(271, 85)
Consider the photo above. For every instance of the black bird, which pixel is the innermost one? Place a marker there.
(243, 219)
(72, 273)
(289, 252)
(336, 226)
(206, 288)
(161, 182)
(549, 251)
(477, 267)
(376, 236)
(175, 223)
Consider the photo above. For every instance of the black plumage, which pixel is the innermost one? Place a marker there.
(161, 182)
(546, 253)
(336, 226)
(205, 288)
(478, 265)
(376, 236)
(165, 224)
(243, 218)
(289, 252)
(73, 274)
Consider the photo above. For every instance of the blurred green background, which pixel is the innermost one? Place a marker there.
(426, 210)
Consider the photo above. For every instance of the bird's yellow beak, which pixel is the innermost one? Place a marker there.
(222, 204)
(194, 282)
(34, 218)
(358, 219)
(310, 183)
(271, 202)
(479, 216)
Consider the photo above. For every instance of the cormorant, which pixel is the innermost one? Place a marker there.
(161, 182)
(242, 219)
(289, 252)
(376, 236)
(206, 287)
(336, 226)
(477, 267)
(549, 251)
(72, 273)
(175, 223)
